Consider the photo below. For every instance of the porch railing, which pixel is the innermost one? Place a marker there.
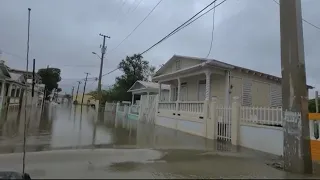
(261, 115)
(167, 106)
(191, 106)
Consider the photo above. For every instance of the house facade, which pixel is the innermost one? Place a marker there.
(205, 94)
(197, 79)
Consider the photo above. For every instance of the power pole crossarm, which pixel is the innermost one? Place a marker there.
(297, 155)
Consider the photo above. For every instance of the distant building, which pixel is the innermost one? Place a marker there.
(87, 99)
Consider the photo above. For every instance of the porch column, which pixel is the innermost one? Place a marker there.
(170, 91)
(179, 88)
(227, 90)
(159, 94)
(132, 99)
(178, 94)
(3, 86)
(9, 89)
(208, 85)
(148, 98)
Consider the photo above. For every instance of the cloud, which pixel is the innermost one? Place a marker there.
(64, 33)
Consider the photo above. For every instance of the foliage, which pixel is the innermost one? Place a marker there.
(312, 105)
(50, 77)
(134, 68)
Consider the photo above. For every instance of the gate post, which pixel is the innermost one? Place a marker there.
(211, 122)
(235, 121)
(116, 118)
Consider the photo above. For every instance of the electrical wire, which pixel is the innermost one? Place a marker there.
(311, 24)
(136, 26)
(185, 24)
(136, 6)
(213, 13)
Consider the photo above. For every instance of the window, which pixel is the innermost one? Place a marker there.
(246, 92)
(275, 95)
(178, 65)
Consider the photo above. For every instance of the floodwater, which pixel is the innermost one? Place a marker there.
(73, 142)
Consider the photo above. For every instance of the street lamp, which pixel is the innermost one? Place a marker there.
(96, 54)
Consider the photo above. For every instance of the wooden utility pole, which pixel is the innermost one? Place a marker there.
(316, 102)
(297, 155)
(103, 51)
(84, 87)
(79, 82)
(72, 91)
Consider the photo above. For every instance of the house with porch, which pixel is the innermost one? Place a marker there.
(196, 82)
(140, 88)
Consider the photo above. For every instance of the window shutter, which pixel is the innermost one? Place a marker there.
(275, 95)
(246, 92)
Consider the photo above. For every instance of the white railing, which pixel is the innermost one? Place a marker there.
(191, 106)
(261, 115)
(121, 108)
(167, 106)
(134, 109)
(110, 106)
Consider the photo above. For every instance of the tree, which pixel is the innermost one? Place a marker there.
(50, 77)
(312, 105)
(134, 68)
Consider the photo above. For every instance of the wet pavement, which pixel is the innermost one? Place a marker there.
(72, 142)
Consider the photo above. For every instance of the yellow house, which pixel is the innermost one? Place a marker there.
(87, 99)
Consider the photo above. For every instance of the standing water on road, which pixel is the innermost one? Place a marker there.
(80, 144)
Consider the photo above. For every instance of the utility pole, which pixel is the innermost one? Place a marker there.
(316, 101)
(84, 87)
(103, 51)
(297, 155)
(72, 91)
(79, 82)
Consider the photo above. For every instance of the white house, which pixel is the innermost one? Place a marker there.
(195, 82)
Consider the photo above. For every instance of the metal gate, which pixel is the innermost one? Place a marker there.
(223, 123)
(148, 108)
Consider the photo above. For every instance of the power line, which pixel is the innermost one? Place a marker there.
(311, 24)
(214, 10)
(136, 6)
(137, 26)
(185, 24)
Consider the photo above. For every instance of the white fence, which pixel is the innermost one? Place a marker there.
(134, 109)
(261, 115)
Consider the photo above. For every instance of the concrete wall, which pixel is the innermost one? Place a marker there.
(190, 127)
(262, 138)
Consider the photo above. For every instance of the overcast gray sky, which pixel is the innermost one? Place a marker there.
(65, 32)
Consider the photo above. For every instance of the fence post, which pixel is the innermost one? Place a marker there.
(157, 109)
(235, 121)
(211, 123)
(140, 109)
(116, 118)
(205, 117)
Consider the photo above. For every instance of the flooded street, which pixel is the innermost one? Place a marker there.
(78, 144)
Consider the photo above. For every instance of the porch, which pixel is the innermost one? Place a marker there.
(191, 91)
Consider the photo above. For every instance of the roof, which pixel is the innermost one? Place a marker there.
(216, 63)
(15, 76)
(148, 86)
